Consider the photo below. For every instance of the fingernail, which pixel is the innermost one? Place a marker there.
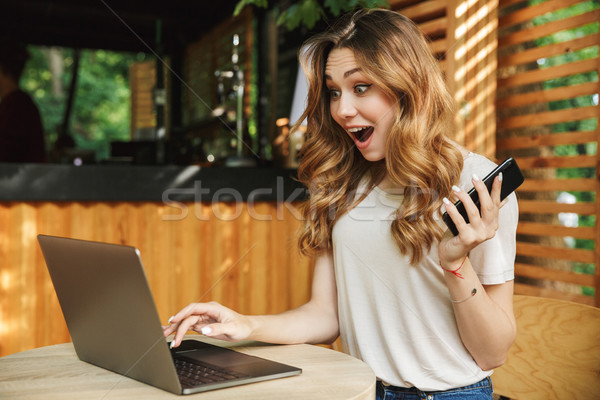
(455, 188)
(206, 330)
(446, 201)
(500, 176)
(172, 344)
(476, 178)
(170, 319)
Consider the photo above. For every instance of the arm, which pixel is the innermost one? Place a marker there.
(314, 322)
(486, 322)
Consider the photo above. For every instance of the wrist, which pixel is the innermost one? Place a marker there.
(252, 325)
(257, 327)
(455, 267)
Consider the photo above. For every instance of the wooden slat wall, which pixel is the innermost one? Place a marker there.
(463, 36)
(244, 258)
(479, 62)
(142, 82)
(546, 264)
(210, 53)
(142, 78)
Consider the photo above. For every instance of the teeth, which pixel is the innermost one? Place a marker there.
(352, 130)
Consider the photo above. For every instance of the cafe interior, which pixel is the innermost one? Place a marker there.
(205, 183)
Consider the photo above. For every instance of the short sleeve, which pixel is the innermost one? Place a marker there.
(494, 259)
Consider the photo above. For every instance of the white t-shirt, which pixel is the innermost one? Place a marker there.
(399, 318)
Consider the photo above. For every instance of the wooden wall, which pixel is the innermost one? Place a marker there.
(463, 37)
(525, 88)
(244, 258)
(210, 53)
(142, 81)
(548, 67)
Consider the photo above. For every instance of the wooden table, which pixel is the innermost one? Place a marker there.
(55, 372)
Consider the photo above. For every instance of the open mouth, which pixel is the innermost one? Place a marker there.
(362, 134)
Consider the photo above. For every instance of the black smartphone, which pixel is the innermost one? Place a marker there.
(512, 178)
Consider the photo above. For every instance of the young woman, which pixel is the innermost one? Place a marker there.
(431, 313)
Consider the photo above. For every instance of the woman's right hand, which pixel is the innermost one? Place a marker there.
(210, 319)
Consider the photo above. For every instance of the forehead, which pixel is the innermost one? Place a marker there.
(340, 61)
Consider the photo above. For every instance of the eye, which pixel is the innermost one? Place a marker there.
(361, 89)
(334, 94)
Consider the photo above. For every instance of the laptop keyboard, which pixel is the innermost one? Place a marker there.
(196, 373)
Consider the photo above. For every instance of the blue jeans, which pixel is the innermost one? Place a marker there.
(481, 390)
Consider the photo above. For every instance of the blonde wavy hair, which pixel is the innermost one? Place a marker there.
(420, 158)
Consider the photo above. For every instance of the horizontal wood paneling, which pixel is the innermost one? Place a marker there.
(538, 103)
(505, 3)
(543, 185)
(560, 71)
(552, 207)
(541, 229)
(425, 10)
(544, 96)
(535, 11)
(534, 271)
(539, 291)
(142, 78)
(536, 53)
(439, 46)
(540, 31)
(556, 162)
(555, 139)
(548, 118)
(435, 27)
(556, 253)
(244, 257)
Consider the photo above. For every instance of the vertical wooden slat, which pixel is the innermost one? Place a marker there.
(217, 252)
(469, 63)
(455, 74)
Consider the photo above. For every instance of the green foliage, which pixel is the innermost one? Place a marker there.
(243, 3)
(308, 12)
(37, 81)
(101, 110)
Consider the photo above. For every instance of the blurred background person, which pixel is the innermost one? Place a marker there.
(21, 129)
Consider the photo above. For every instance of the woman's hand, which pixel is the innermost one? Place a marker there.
(313, 322)
(210, 319)
(453, 249)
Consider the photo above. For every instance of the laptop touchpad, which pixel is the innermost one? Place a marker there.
(221, 358)
(214, 355)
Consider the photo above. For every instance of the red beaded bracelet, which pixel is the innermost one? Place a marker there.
(455, 271)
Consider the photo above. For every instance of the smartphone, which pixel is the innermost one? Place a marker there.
(512, 178)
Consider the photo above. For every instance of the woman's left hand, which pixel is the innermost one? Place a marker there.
(481, 227)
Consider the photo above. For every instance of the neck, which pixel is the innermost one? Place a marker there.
(387, 184)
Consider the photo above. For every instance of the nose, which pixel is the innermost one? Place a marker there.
(345, 107)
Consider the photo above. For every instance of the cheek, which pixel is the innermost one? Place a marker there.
(388, 113)
(334, 114)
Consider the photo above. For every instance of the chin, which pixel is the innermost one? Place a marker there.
(373, 157)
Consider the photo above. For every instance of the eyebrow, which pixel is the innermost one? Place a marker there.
(346, 74)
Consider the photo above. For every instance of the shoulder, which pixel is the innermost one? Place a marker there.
(18, 99)
(474, 163)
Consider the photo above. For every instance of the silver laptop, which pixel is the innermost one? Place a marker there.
(113, 322)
